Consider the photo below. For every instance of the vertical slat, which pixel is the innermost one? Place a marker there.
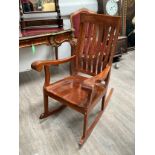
(93, 44)
(90, 35)
(86, 62)
(89, 63)
(101, 34)
(91, 50)
(97, 62)
(87, 27)
(100, 46)
(100, 63)
(80, 44)
(109, 42)
(92, 63)
(105, 38)
(83, 37)
(99, 38)
(113, 45)
(81, 62)
(96, 39)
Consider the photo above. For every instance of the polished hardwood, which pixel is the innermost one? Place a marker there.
(93, 56)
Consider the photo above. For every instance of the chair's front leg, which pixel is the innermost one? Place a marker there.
(46, 112)
(85, 129)
(46, 83)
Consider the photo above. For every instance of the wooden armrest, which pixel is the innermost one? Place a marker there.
(90, 83)
(38, 65)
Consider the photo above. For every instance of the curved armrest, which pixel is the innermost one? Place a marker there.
(90, 83)
(38, 65)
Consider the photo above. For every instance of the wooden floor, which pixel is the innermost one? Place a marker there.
(60, 133)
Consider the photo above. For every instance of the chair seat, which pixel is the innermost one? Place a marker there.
(69, 89)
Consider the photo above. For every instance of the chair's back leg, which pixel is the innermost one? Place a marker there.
(103, 101)
(56, 53)
(104, 97)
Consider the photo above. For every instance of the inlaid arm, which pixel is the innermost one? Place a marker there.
(38, 65)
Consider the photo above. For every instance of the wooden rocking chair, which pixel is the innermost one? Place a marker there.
(93, 56)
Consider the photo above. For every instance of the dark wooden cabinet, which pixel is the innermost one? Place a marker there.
(121, 46)
(130, 29)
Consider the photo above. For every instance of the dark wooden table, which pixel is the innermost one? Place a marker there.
(54, 38)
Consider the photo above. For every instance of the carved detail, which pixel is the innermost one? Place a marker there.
(59, 39)
(55, 39)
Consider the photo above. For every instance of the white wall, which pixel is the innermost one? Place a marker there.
(46, 52)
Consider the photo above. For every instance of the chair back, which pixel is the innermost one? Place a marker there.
(75, 20)
(95, 50)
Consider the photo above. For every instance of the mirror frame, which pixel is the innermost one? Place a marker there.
(38, 12)
(40, 21)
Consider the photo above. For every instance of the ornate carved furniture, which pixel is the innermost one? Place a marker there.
(93, 56)
(54, 38)
(30, 27)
